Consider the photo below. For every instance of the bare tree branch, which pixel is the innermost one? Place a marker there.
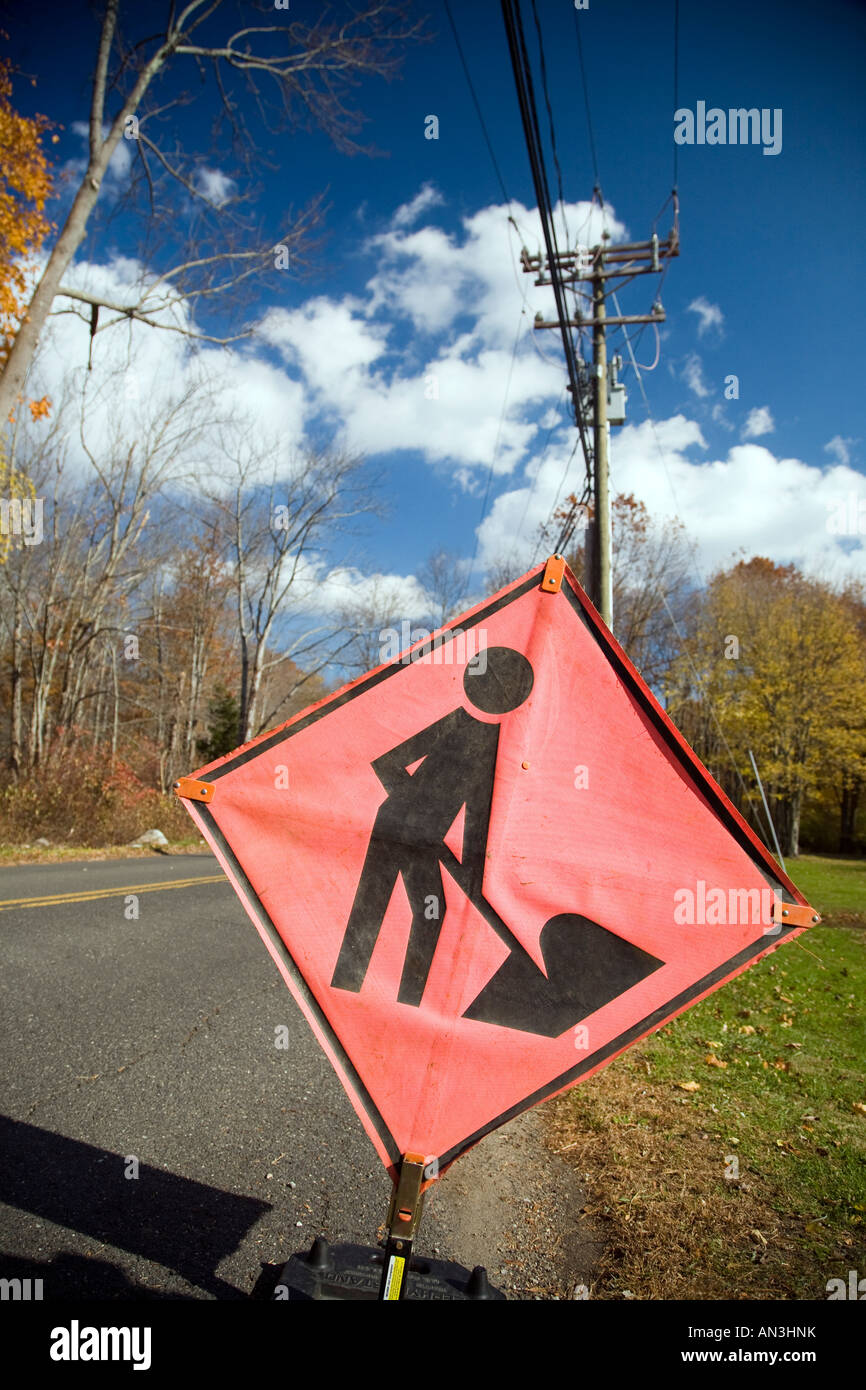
(310, 66)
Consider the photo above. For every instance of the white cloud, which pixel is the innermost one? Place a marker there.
(422, 362)
(138, 371)
(709, 315)
(840, 448)
(375, 365)
(435, 278)
(427, 197)
(119, 164)
(758, 421)
(213, 185)
(329, 341)
(748, 500)
(693, 376)
(390, 597)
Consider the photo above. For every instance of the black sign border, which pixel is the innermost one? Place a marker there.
(696, 773)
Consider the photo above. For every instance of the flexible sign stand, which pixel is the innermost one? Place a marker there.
(484, 870)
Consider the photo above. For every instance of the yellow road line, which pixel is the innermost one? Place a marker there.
(53, 899)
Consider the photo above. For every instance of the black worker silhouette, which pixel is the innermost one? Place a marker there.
(586, 964)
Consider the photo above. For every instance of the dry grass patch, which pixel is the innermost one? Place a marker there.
(725, 1157)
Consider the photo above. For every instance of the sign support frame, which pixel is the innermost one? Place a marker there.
(404, 1216)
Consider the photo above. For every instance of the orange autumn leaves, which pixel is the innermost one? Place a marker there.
(25, 185)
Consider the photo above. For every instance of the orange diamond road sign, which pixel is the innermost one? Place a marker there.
(488, 867)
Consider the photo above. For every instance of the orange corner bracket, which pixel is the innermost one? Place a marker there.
(193, 790)
(795, 914)
(553, 572)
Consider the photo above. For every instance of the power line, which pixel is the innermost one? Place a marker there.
(494, 456)
(496, 168)
(507, 197)
(701, 583)
(550, 116)
(651, 368)
(676, 78)
(556, 498)
(537, 472)
(478, 112)
(533, 131)
(548, 360)
(586, 100)
(529, 117)
(563, 272)
(664, 462)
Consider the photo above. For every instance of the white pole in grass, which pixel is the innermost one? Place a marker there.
(767, 809)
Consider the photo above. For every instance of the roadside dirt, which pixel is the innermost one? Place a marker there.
(512, 1205)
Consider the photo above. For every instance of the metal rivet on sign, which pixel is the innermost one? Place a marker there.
(524, 765)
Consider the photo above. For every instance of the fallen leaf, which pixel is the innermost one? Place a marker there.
(712, 1061)
(746, 1029)
(688, 1085)
(859, 1107)
(814, 1228)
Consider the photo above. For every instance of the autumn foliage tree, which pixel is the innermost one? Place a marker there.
(773, 662)
(15, 489)
(25, 185)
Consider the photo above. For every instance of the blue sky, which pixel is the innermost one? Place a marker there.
(418, 277)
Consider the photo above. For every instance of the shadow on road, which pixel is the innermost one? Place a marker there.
(69, 1277)
(172, 1221)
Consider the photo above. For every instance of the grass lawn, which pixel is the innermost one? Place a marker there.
(836, 887)
(725, 1157)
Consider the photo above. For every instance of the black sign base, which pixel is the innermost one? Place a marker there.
(355, 1271)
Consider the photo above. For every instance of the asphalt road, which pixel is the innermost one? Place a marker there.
(148, 1042)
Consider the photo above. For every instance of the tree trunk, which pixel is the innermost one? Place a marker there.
(848, 814)
(789, 828)
(15, 696)
(243, 703)
(252, 686)
(26, 339)
(100, 702)
(116, 702)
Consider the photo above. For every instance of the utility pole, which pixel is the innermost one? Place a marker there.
(601, 552)
(599, 265)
